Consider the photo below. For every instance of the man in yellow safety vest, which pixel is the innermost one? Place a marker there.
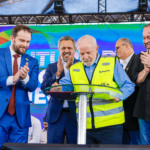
(104, 118)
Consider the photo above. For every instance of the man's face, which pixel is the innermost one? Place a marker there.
(45, 125)
(21, 42)
(146, 38)
(121, 50)
(66, 49)
(88, 53)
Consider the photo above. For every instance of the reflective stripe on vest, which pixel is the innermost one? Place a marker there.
(106, 113)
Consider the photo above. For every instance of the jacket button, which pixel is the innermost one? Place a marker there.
(6, 100)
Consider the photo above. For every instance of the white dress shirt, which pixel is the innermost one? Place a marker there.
(126, 61)
(10, 78)
(34, 134)
(43, 136)
(65, 104)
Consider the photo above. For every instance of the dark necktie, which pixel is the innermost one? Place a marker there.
(11, 106)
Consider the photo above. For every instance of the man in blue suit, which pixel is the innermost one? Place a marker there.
(61, 114)
(18, 75)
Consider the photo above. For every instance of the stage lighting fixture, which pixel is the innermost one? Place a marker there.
(143, 4)
(58, 6)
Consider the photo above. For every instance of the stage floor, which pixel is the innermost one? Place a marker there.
(22, 146)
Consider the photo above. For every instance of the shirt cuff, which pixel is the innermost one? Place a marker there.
(57, 77)
(10, 81)
(24, 81)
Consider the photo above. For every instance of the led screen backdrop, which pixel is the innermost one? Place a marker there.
(43, 46)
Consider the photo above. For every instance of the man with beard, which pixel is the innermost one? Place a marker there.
(104, 118)
(60, 114)
(141, 76)
(18, 75)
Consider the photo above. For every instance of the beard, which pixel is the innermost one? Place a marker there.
(17, 49)
(85, 62)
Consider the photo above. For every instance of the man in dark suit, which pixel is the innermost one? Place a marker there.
(125, 52)
(18, 75)
(61, 114)
(141, 75)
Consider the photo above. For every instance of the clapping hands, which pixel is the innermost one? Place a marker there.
(21, 74)
(145, 59)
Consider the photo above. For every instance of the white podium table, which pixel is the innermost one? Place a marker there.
(86, 91)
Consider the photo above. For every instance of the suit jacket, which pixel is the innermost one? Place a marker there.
(22, 102)
(54, 105)
(131, 123)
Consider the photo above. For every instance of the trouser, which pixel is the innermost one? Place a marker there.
(105, 135)
(131, 137)
(144, 131)
(66, 126)
(10, 130)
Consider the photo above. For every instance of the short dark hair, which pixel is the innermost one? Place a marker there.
(18, 28)
(67, 38)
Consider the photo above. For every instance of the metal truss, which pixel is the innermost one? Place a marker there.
(102, 6)
(75, 18)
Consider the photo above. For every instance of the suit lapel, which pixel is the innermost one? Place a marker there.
(8, 60)
(75, 60)
(23, 60)
(129, 63)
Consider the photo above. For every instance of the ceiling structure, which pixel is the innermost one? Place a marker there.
(75, 18)
(62, 18)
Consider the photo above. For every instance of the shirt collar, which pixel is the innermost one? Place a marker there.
(13, 52)
(127, 59)
(96, 61)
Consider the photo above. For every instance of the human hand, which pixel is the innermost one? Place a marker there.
(116, 99)
(145, 59)
(59, 67)
(55, 88)
(146, 69)
(24, 71)
(16, 77)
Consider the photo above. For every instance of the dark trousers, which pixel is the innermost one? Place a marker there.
(144, 131)
(66, 126)
(131, 137)
(105, 135)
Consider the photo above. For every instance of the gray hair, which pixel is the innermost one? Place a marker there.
(89, 37)
(126, 40)
(67, 38)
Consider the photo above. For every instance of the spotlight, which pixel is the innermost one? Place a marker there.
(58, 6)
(143, 5)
